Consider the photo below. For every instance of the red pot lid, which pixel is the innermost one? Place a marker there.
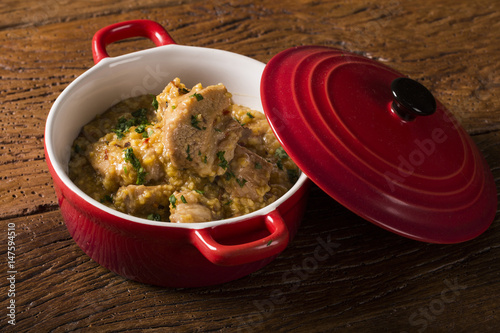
(384, 148)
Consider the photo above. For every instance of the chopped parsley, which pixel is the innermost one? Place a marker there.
(106, 198)
(269, 243)
(154, 217)
(228, 175)
(200, 192)
(124, 124)
(155, 103)
(258, 166)
(250, 115)
(195, 122)
(141, 129)
(183, 90)
(189, 158)
(121, 128)
(281, 154)
(280, 164)
(293, 175)
(141, 176)
(132, 159)
(223, 162)
(203, 158)
(140, 114)
(183, 199)
(239, 122)
(241, 181)
(172, 200)
(198, 97)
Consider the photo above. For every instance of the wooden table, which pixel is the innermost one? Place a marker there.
(373, 281)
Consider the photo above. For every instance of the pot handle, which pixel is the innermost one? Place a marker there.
(231, 255)
(128, 29)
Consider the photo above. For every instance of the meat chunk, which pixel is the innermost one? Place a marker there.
(111, 159)
(141, 200)
(192, 206)
(107, 161)
(189, 213)
(199, 132)
(248, 175)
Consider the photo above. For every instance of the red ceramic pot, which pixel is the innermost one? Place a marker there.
(164, 254)
(374, 140)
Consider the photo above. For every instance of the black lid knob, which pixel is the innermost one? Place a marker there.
(411, 99)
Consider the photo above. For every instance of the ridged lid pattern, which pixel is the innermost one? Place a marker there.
(422, 178)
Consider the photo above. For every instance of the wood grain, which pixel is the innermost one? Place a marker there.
(374, 281)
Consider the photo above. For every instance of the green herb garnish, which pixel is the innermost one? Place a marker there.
(132, 159)
(281, 153)
(141, 176)
(189, 158)
(140, 113)
(250, 115)
(124, 124)
(141, 128)
(279, 164)
(172, 200)
(121, 128)
(183, 199)
(106, 198)
(241, 181)
(293, 175)
(154, 217)
(223, 163)
(203, 158)
(195, 123)
(228, 175)
(198, 97)
(155, 103)
(239, 122)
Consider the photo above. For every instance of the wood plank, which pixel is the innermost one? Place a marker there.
(368, 266)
